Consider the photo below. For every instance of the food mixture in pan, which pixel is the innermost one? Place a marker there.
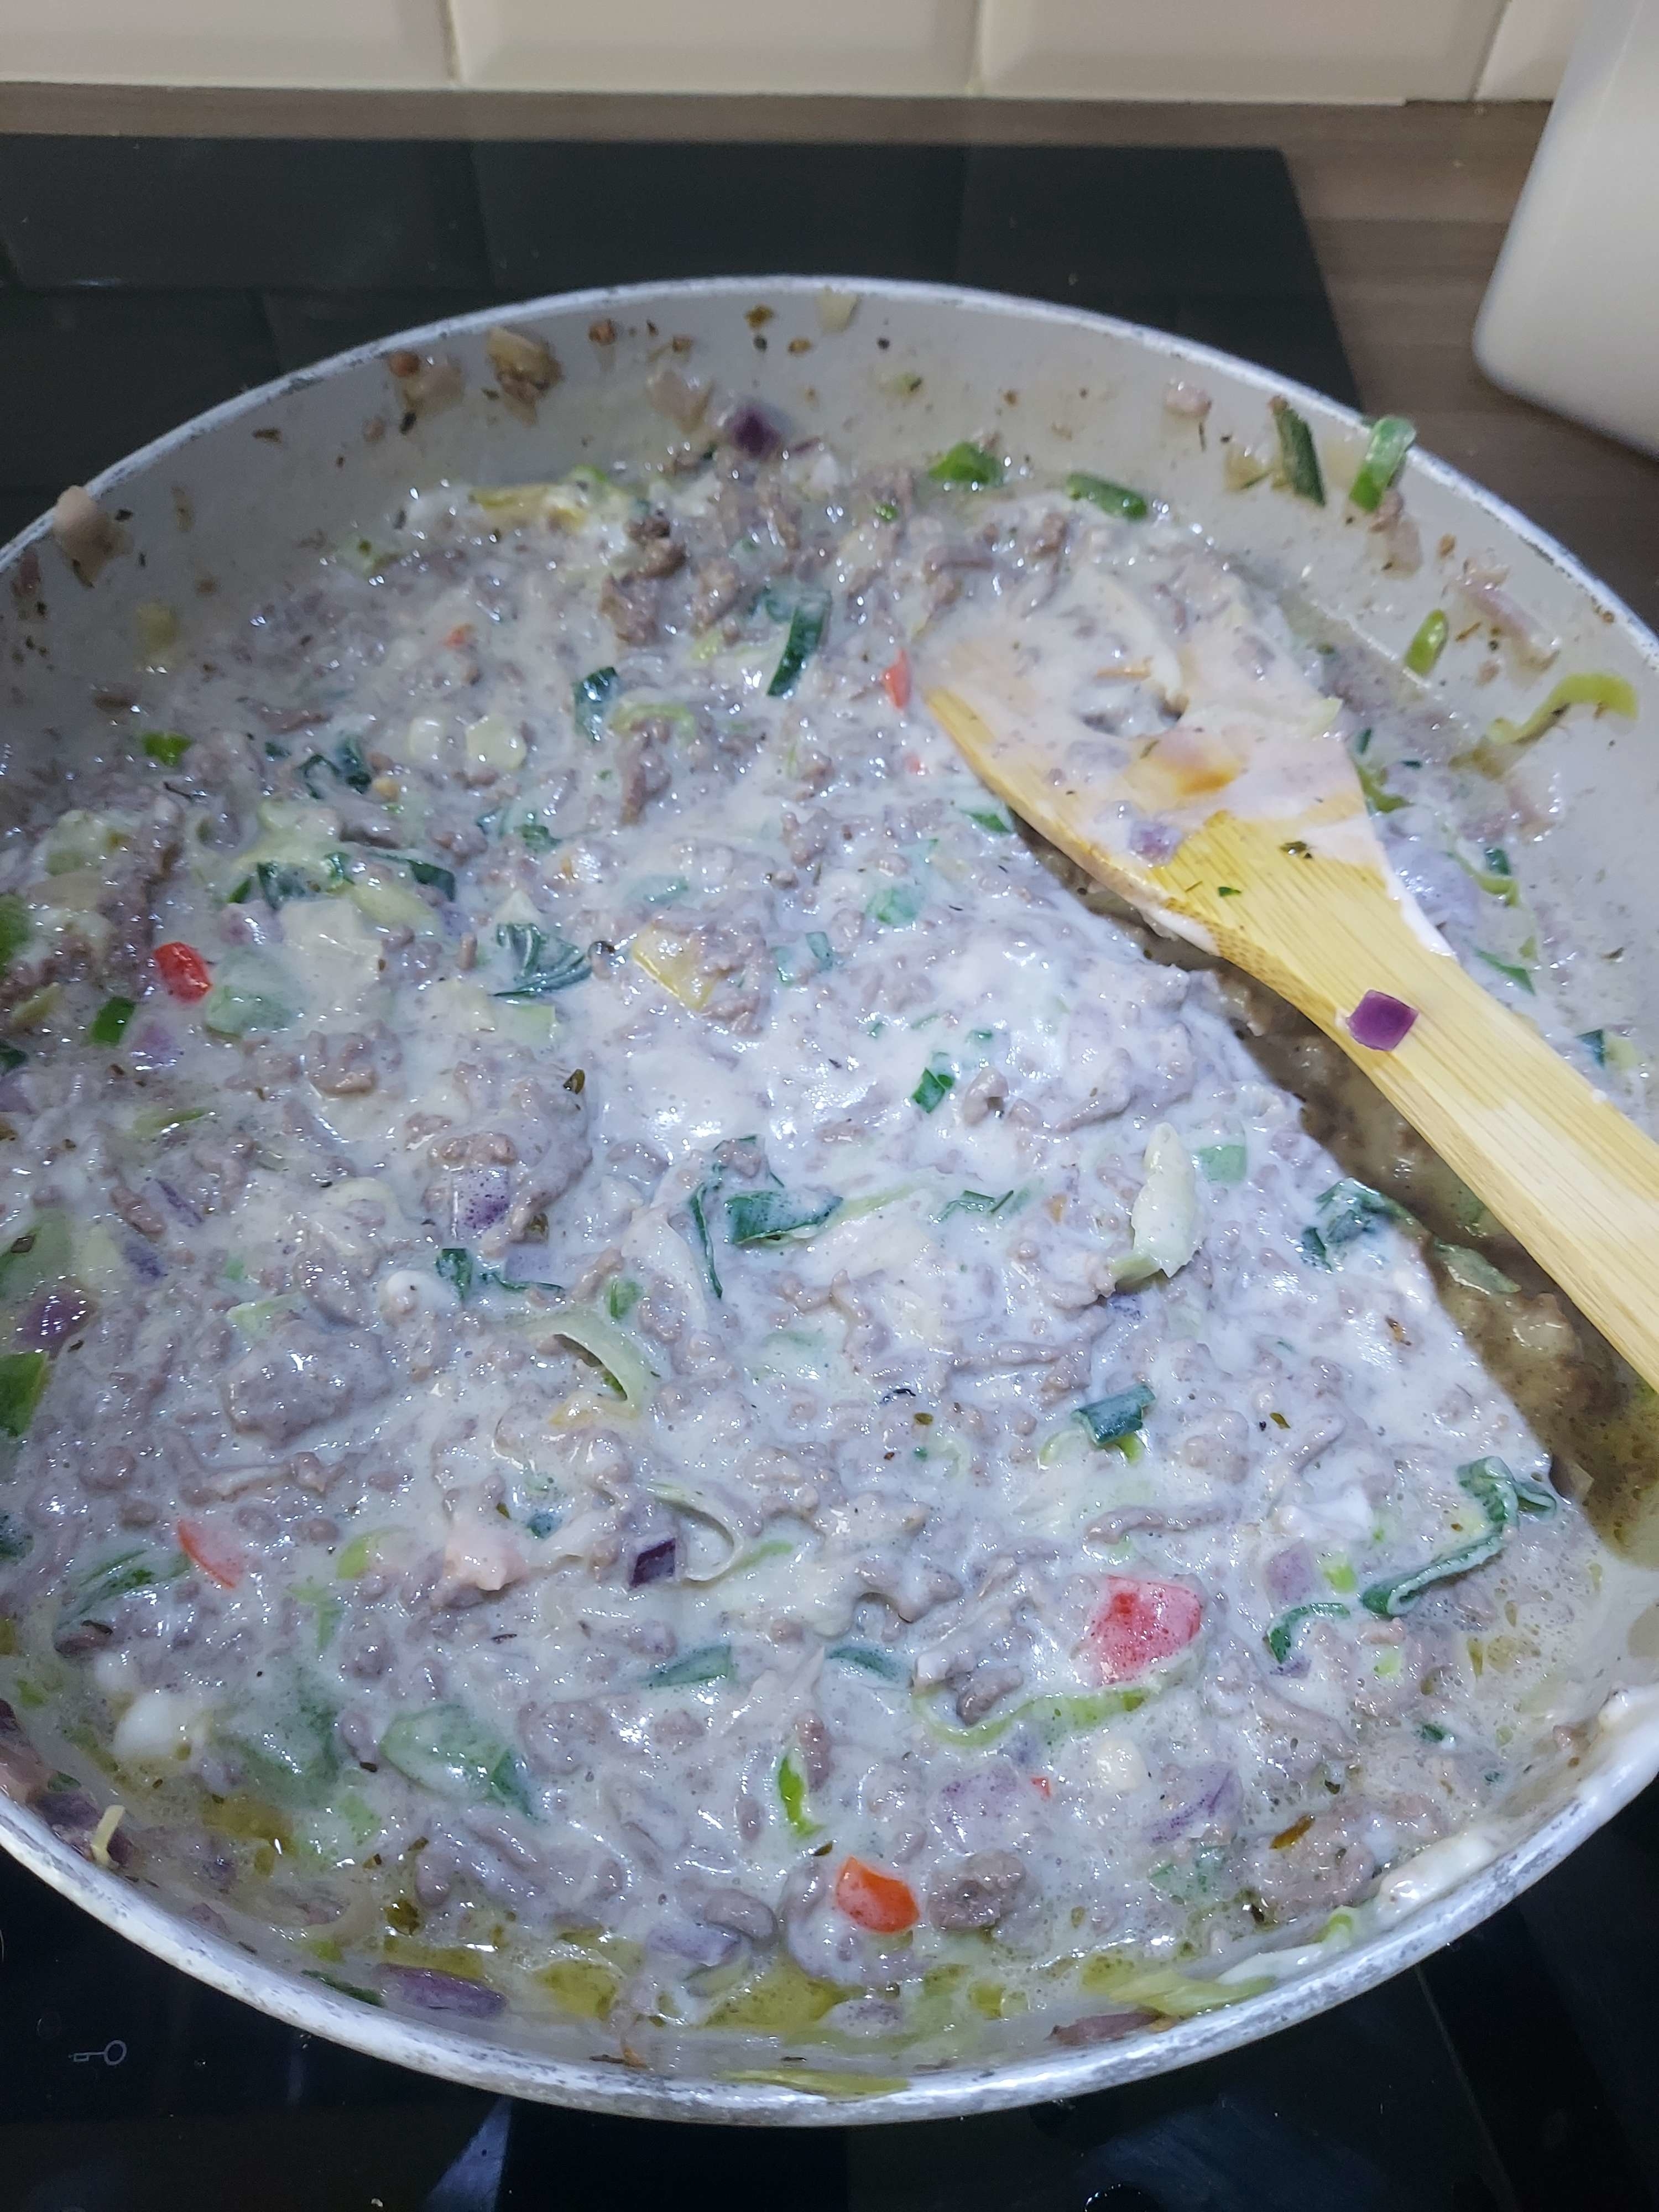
(653, 1373)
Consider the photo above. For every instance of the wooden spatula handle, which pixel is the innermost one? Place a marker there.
(1563, 1170)
(1570, 1178)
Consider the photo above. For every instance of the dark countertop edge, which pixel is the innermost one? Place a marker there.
(279, 111)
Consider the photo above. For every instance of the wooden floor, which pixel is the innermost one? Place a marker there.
(1407, 205)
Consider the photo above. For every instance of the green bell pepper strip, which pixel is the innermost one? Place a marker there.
(1392, 439)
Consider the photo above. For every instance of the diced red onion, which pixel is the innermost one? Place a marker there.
(178, 1201)
(73, 1816)
(655, 1563)
(1291, 1574)
(1216, 1796)
(750, 431)
(1379, 1022)
(1190, 400)
(1101, 2027)
(1156, 842)
(1479, 585)
(482, 1196)
(143, 1261)
(704, 1946)
(153, 1046)
(433, 1991)
(23, 1773)
(56, 1316)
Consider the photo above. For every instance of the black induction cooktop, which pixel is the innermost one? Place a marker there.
(144, 280)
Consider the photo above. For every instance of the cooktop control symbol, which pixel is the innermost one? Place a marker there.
(113, 2052)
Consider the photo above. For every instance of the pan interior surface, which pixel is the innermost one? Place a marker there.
(240, 510)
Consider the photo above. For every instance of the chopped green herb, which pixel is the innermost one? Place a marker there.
(1311, 1245)
(970, 467)
(870, 1659)
(1610, 695)
(1428, 643)
(1392, 439)
(538, 837)
(652, 892)
(621, 1296)
(330, 1610)
(767, 1217)
(1349, 1209)
(592, 696)
(1491, 869)
(1473, 1270)
(41, 1255)
(897, 906)
(1374, 782)
(542, 1523)
(991, 819)
(1110, 498)
(975, 1201)
(16, 928)
(1521, 978)
(1297, 457)
(346, 765)
(1228, 890)
(238, 1009)
(278, 883)
(709, 1662)
(1223, 1163)
(167, 746)
(119, 1575)
(544, 962)
(1053, 1718)
(885, 511)
(439, 879)
(1282, 1635)
(1391, 1597)
(936, 1084)
(1609, 1049)
(1109, 1419)
(697, 1205)
(342, 1989)
(444, 1749)
(791, 1796)
(109, 1023)
(806, 635)
(458, 1268)
(793, 969)
(1504, 1495)
(10, 1057)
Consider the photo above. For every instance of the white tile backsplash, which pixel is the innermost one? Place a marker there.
(716, 46)
(279, 42)
(1531, 48)
(1289, 50)
(1313, 50)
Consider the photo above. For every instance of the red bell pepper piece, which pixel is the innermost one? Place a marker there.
(1137, 1623)
(183, 970)
(878, 1901)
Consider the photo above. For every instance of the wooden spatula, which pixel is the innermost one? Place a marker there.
(1261, 849)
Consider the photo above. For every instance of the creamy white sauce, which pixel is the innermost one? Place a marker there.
(409, 1621)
